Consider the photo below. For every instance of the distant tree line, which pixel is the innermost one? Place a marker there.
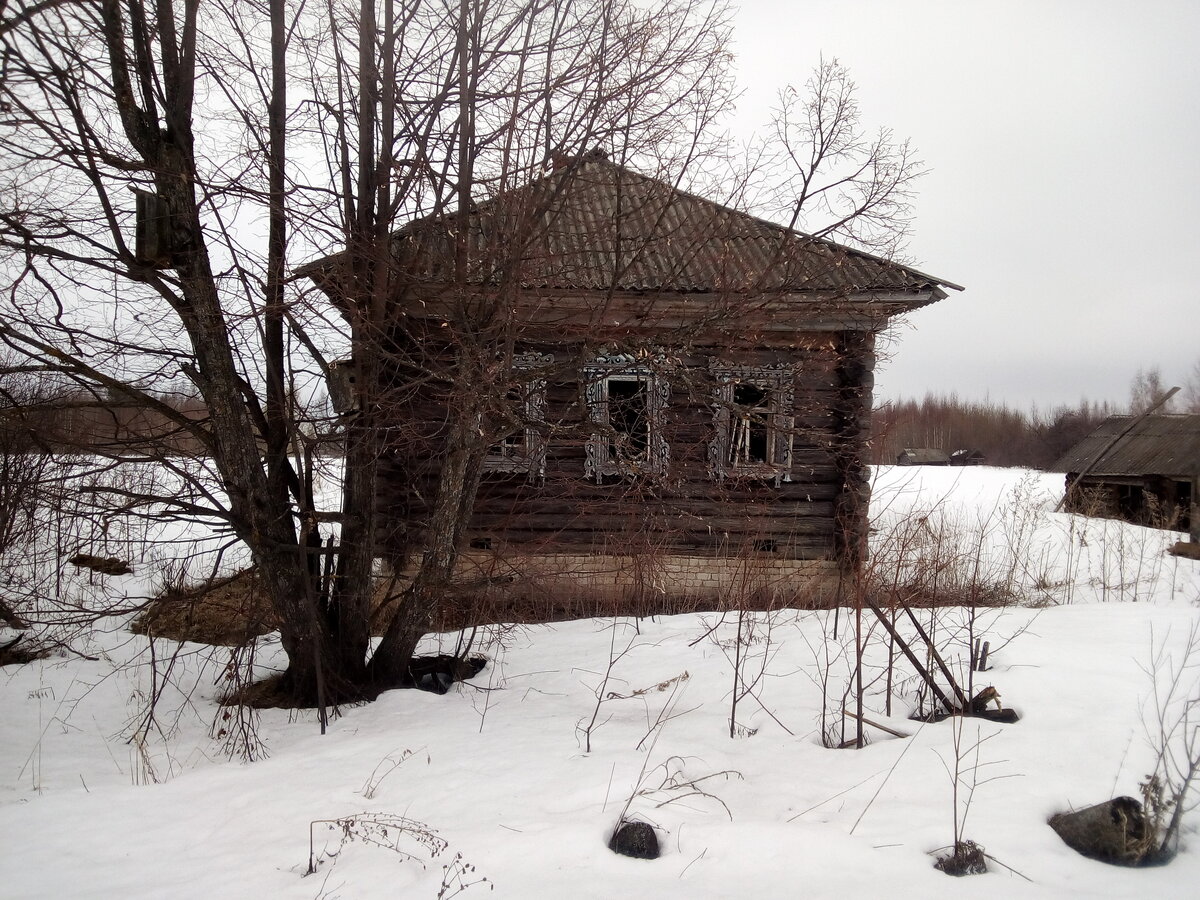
(1006, 436)
(1010, 437)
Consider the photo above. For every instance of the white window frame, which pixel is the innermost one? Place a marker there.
(605, 456)
(778, 383)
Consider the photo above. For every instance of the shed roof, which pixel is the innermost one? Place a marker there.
(595, 225)
(923, 456)
(1158, 445)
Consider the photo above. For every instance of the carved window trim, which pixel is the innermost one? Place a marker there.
(778, 383)
(605, 456)
(526, 454)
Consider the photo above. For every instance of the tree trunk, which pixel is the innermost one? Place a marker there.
(457, 487)
(261, 512)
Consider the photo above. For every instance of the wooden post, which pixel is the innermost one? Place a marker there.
(946, 702)
(1194, 513)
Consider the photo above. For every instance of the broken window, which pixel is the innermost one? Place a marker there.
(626, 402)
(750, 440)
(629, 417)
(523, 449)
(753, 419)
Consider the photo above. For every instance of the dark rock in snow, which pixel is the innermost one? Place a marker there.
(437, 673)
(636, 839)
(1113, 832)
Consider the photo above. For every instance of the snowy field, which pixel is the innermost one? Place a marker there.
(495, 780)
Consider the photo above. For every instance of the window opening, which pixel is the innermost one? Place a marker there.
(629, 417)
(514, 443)
(753, 421)
(626, 400)
(751, 434)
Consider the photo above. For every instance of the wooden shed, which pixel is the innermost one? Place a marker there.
(1142, 471)
(687, 389)
(922, 456)
(966, 457)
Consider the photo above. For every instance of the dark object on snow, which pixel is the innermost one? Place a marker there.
(1186, 549)
(105, 565)
(979, 703)
(636, 839)
(967, 458)
(437, 673)
(1113, 832)
(1003, 716)
(979, 707)
(11, 654)
(9, 617)
(968, 858)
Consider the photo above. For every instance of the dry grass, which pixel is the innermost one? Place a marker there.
(230, 611)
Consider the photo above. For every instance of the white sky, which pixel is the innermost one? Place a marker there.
(1063, 140)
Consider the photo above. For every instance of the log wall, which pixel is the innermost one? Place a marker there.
(817, 517)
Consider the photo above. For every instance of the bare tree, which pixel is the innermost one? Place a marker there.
(1146, 388)
(100, 101)
(829, 174)
(415, 109)
(1191, 390)
(337, 125)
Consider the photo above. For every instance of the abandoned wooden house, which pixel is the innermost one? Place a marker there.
(680, 395)
(1143, 471)
(922, 456)
(968, 458)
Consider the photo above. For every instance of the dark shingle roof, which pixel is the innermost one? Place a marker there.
(923, 456)
(594, 225)
(1158, 445)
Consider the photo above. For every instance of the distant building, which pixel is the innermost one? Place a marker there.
(967, 458)
(1144, 473)
(922, 456)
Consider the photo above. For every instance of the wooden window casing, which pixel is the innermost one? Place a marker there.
(523, 450)
(753, 422)
(627, 400)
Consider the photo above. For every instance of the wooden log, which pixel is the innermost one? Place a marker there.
(873, 724)
(947, 704)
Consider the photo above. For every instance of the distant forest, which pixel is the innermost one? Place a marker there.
(1006, 437)
(1009, 437)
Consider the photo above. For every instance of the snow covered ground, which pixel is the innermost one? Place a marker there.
(96, 801)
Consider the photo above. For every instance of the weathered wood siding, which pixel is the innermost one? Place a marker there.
(820, 514)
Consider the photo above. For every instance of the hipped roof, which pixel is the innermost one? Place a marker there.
(1158, 445)
(593, 225)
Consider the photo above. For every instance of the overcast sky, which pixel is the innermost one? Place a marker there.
(1063, 140)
